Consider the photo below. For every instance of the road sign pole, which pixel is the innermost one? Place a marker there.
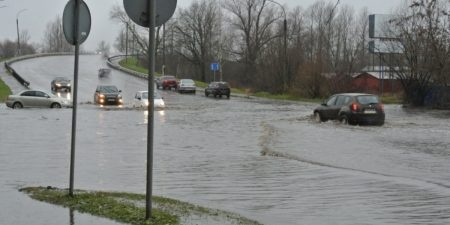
(150, 124)
(75, 93)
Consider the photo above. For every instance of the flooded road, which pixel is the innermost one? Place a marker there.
(263, 159)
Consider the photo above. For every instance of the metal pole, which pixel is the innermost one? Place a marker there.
(75, 95)
(285, 53)
(150, 125)
(285, 59)
(18, 36)
(164, 50)
(126, 44)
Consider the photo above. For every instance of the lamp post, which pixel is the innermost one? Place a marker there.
(18, 36)
(285, 60)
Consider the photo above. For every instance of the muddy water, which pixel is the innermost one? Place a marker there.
(265, 160)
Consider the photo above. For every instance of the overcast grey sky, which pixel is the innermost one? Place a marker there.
(38, 13)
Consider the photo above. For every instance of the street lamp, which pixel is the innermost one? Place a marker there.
(285, 66)
(18, 36)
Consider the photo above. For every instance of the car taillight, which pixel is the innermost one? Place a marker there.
(354, 107)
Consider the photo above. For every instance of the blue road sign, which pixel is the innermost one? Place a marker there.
(215, 66)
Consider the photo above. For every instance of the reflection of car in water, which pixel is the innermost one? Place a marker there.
(351, 108)
(104, 73)
(107, 95)
(61, 84)
(37, 99)
(141, 100)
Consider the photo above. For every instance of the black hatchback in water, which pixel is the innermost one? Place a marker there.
(218, 89)
(351, 108)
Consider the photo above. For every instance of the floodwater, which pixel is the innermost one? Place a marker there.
(265, 160)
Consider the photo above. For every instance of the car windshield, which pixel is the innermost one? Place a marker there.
(187, 81)
(109, 89)
(155, 95)
(223, 85)
(167, 77)
(367, 99)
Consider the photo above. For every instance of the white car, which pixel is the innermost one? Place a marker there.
(141, 100)
(186, 85)
(36, 99)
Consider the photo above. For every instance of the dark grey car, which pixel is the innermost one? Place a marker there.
(107, 95)
(61, 84)
(351, 108)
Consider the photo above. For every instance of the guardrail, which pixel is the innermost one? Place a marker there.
(16, 75)
(113, 65)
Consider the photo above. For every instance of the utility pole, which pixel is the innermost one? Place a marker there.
(18, 35)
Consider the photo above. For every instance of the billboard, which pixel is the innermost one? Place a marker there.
(381, 26)
(390, 46)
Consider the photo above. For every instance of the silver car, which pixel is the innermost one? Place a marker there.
(186, 85)
(36, 99)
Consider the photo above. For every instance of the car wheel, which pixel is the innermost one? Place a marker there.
(228, 96)
(343, 119)
(17, 105)
(317, 117)
(55, 105)
(206, 94)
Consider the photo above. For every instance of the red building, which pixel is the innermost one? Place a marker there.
(376, 83)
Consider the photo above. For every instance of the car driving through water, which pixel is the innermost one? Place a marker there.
(36, 99)
(351, 108)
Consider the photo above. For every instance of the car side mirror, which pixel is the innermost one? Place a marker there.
(324, 104)
(120, 90)
(138, 98)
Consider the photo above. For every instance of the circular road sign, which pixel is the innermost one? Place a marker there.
(137, 10)
(84, 22)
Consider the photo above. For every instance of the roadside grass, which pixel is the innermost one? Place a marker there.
(132, 64)
(129, 208)
(4, 89)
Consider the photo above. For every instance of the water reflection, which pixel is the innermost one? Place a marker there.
(71, 217)
(159, 114)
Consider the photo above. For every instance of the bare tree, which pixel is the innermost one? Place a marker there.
(197, 28)
(253, 21)
(103, 48)
(54, 40)
(423, 37)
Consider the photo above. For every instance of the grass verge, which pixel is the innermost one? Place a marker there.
(4, 89)
(130, 208)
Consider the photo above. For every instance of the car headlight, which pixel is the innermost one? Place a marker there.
(69, 85)
(119, 96)
(101, 96)
(58, 85)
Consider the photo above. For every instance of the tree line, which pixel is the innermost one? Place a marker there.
(264, 46)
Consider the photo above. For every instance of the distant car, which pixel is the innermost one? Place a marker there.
(166, 82)
(37, 99)
(107, 95)
(218, 89)
(104, 72)
(351, 108)
(186, 86)
(61, 84)
(141, 100)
